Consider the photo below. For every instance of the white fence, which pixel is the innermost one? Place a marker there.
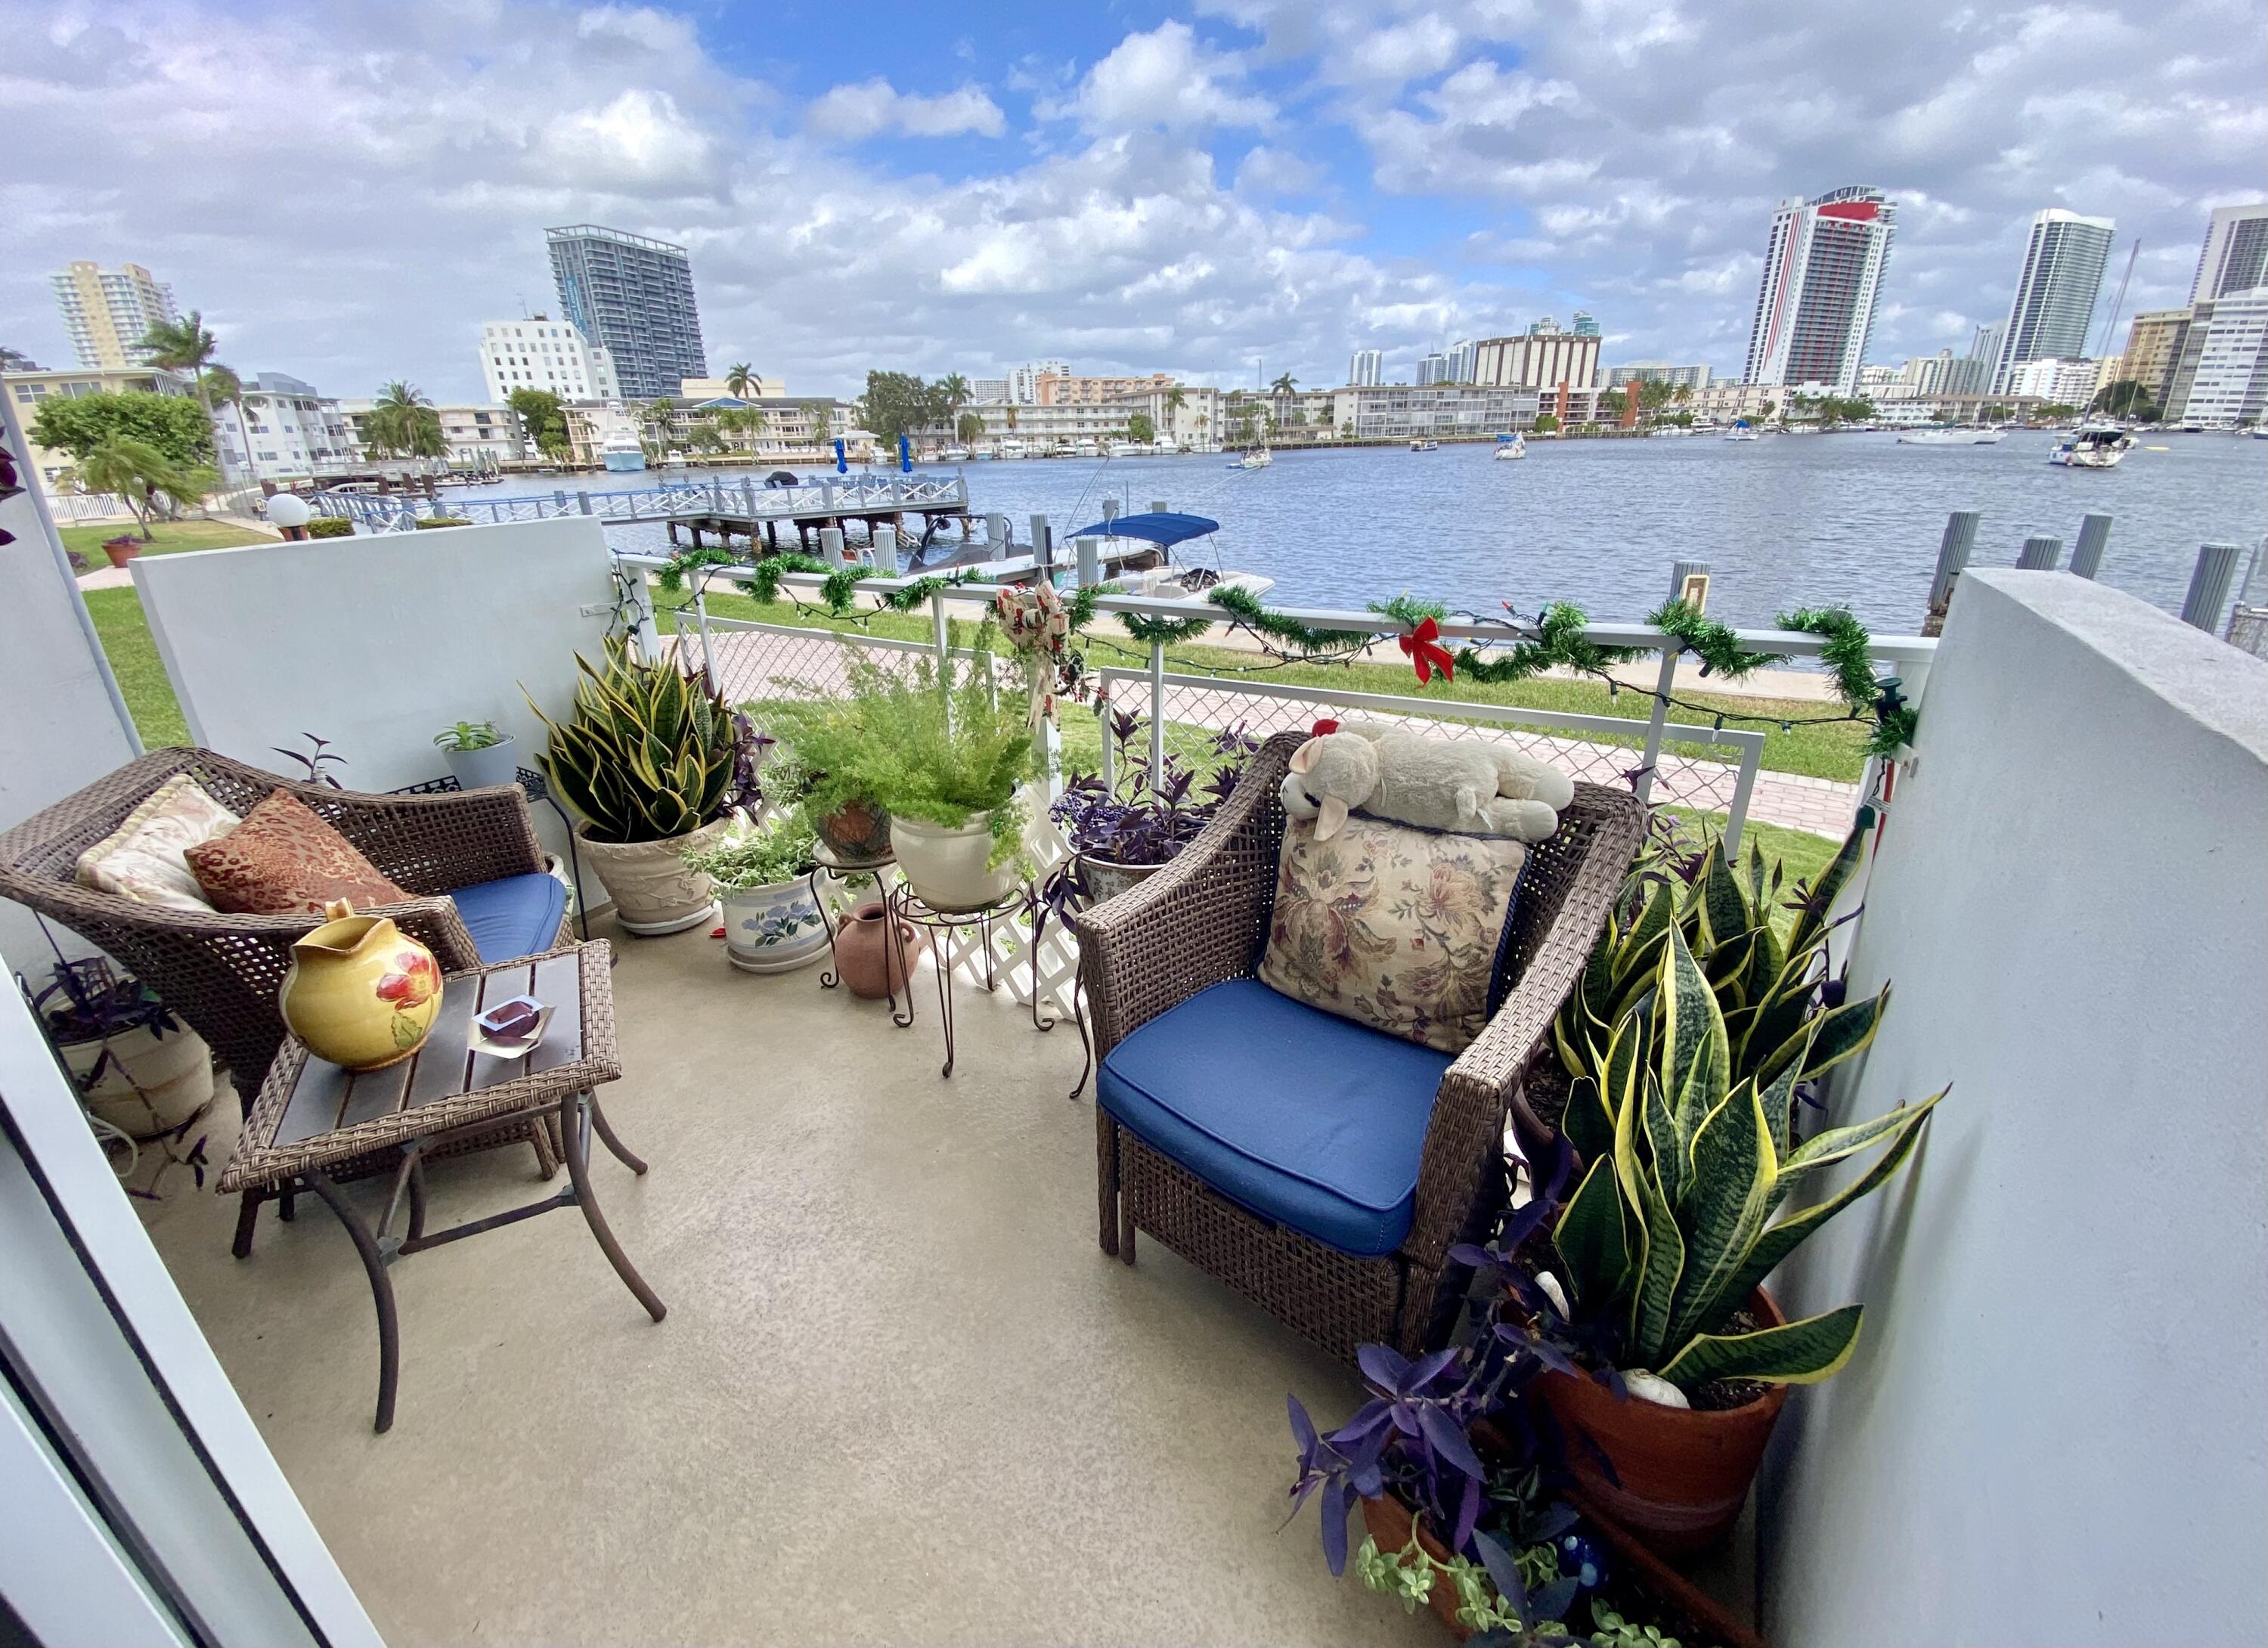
(735, 500)
(70, 507)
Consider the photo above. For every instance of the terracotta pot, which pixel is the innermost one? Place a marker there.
(946, 866)
(361, 992)
(653, 892)
(151, 1084)
(775, 928)
(1680, 1475)
(1105, 879)
(870, 965)
(1388, 1520)
(120, 550)
(857, 832)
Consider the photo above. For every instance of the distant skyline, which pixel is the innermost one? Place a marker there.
(346, 196)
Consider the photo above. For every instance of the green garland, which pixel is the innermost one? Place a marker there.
(1559, 643)
(1846, 653)
(1715, 645)
(763, 581)
(1304, 640)
(673, 571)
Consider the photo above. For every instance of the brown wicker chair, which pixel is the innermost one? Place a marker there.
(1204, 920)
(222, 973)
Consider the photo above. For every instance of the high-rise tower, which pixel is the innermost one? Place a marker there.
(2236, 257)
(632, 298)
(2054, 305)
(1822, 275)
(107, 311)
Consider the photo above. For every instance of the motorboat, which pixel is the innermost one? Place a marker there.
(1741, 431)
(1424, 446)
(2095, 446)
(1137, 556)
(1258, 458)
(621, 456)
(953, 454)
(1509, 450)
(1953, 438)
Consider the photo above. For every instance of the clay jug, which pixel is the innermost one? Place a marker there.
(870, 965)
(361, 992)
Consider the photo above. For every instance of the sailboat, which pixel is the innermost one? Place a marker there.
(1510, 447)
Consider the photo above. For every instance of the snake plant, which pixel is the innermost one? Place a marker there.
(1687, 1043)
(650, 754)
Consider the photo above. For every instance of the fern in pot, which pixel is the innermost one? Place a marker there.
(656, 763)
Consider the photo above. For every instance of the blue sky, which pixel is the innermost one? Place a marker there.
(348, 191)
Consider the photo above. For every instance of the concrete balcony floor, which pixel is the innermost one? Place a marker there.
(900, 1395)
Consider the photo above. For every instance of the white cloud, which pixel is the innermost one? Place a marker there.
(1267, 171)
(1167, 78)
(854, 112)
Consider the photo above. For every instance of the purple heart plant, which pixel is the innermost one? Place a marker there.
(1151, 815)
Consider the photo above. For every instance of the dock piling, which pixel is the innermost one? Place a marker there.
(1090, 562)
(2094, 533)
(1952, 556)
(830, 545)
(885, 551)
(1043, 545)
(2040, 555)
(2209, 582)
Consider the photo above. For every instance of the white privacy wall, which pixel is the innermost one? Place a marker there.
(377, 641)
(2055, 1430)
(58, 730)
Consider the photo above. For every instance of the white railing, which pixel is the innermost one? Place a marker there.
(88, 506)
(743, 500)
(1601, 748)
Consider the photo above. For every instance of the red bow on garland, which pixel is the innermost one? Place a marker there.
(1422, 646)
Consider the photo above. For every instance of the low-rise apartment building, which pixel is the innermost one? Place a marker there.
(284, 429)
(537, 352)
(2222, 380)
(479, 435)
(27, 389)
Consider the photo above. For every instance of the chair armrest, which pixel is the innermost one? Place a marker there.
(1464, 1140)
(1198, 922)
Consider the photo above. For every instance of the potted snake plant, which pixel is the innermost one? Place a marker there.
(1695, 1022)
(656, 763)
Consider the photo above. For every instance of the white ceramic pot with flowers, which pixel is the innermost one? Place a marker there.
(773, 921)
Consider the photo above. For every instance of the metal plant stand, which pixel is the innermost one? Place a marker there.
(902, 903)
(314, 1121)
(825, 861)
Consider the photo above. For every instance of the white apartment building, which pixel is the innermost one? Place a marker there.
(1366, 367)
(27, 389)
(1822, 274)
(479, 435)
(284, 429)
(541, 353)
(988, 389)
(2060, 382)
(1450, 411)
(2053, 309)
(107, 312)
(1024, 381)
(1677, 377)
(760, 388)
(2222, 381)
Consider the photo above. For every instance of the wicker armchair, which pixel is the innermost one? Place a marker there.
(222, 973)
(1204, 920)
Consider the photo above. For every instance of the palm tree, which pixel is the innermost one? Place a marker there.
(1284, 386)
(227, 389)
(184, 345)
(137, 472)
(954, 388)
(740, 381)
(970, 427)
(403, 422)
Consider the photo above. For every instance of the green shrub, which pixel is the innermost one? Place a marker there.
(442, 520)
(330, 526)
(746, 858)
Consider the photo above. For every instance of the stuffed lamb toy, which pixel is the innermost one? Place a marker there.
(1468, 787)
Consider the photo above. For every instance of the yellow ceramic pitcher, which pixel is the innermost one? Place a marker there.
(361, 992)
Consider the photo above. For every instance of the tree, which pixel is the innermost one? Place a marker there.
(139, 473)
(1653, 394)
(1546, 421)
(742, 380)
(1176, 398)
(970, 427)
(821, 414)
(1992, 412)
(180, 428)
(404, 424)
(704, 437)
(1140, 426)
(2128, 398)
(1767, 410)
(895, 404)
(1285, 385)
(543, 418)
(2054, 412)
(748, 421)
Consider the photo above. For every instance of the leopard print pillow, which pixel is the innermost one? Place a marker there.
(283, 860)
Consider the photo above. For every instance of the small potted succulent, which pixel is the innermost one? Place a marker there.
(658, 764)
(773, 923)
(479, 757)
(1124, 835)
(138, 1067)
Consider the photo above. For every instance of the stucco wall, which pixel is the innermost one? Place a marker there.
(376, 642)
(2055, 1429)
(58, 730)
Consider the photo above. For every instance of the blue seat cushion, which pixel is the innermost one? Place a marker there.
(1309, 1119)
(516, 915)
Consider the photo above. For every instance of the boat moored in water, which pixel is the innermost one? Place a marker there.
(2095, 446)
(1151, 569)
(1952, 436)
(1509, 448)
(1424, 446)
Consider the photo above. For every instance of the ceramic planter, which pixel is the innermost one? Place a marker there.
(120, 550)
(652, 890)
(361, 992)
(857, 832)
(871, 964)
(1104, 879)
(1680, 1475)
(497, 763)
(775, 928)
(151, 1084)
(946, 866)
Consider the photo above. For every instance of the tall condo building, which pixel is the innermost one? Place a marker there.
(2154, 348)
(547, 355)
(1584, 324)
(2054, 304)
(1822, 276)
(1433, 367)
(107, 311)
(1024, 382)
(1538, 360)
(632, 298)
(2222, 379)
(2236, 257)
(1462, 361)
(1366, 368)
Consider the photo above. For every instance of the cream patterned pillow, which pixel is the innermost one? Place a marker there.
(144, 859)
(1397, 928)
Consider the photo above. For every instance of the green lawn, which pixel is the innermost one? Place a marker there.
(118, 620)
(165, 538)
(1829, 749)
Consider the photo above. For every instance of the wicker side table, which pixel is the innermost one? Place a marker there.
(313, 1116)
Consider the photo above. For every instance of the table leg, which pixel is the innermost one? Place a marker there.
(574, 1117)
(623, 1152)
(381, 1291)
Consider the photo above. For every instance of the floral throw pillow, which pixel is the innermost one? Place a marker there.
(1397, 928)
(283, 860)
(144, 859)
